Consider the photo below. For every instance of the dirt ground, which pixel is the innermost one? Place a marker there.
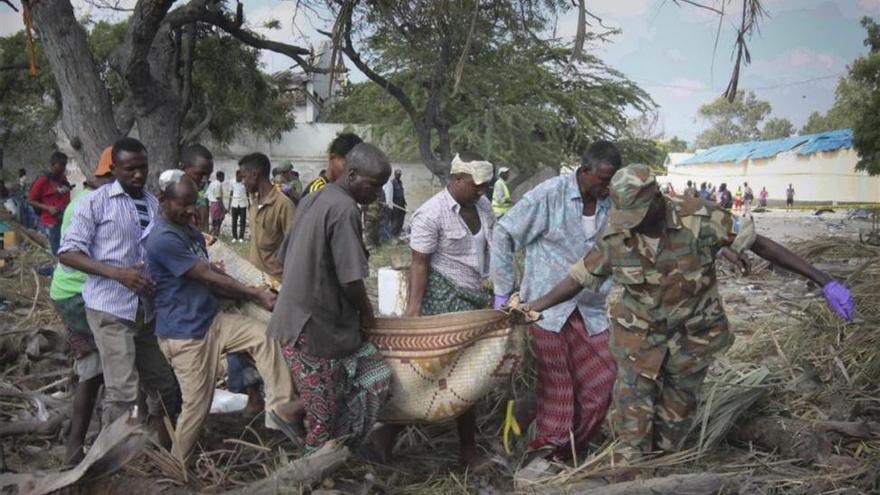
(237, 450)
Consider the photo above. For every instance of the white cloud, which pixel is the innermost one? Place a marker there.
(300, 30)
(870, 5)
(675, 55)
(682, 88)
(10, 22)
(800, 57)
(618, 8)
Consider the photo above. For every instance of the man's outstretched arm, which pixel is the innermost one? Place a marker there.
(836, 294)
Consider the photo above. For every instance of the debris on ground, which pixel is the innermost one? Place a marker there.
(793, 407)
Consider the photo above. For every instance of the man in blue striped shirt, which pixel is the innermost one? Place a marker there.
(555, 223)
(104, 240)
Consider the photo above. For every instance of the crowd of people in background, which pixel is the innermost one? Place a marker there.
(741, 201)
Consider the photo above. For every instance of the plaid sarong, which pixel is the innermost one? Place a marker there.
(342, 396)
(443, 296)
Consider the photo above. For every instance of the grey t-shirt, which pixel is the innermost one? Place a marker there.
(324, 252)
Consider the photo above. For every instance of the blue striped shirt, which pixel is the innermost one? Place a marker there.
(106, 226)
(546, 223)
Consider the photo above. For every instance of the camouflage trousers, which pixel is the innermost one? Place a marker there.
(659, 379)
(373, 224)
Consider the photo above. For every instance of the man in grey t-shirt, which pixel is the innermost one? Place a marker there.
(323, 306)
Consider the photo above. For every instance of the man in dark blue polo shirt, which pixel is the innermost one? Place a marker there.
(192, 333)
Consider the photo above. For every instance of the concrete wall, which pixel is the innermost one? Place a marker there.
(306, 146)
(821, 177)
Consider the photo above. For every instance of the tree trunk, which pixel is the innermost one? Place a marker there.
(159, 108)
(87, 116)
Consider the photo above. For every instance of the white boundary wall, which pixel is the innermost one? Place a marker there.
(821, 177)
(306, 146)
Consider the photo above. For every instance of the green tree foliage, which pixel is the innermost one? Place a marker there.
(732, 122)
(230, 93)
(29, 106)
(477, 77)
(777, 128)
(676, 145)
(865, 75)
(847, 104)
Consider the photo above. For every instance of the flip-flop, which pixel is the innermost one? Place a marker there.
(296, 433)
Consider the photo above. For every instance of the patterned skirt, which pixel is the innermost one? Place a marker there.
(442, 296)
(342, 396)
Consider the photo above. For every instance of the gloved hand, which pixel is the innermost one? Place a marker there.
(500, 301)
(839, 299)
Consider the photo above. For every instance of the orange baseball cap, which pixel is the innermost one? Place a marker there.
(105, 161)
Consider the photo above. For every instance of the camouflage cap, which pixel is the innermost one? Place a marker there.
(631, 193)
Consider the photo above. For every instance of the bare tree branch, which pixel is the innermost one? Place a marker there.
(188, 46)
(104, 4)
(11, 6)
(123, 115)
(700, 5)
(459, 67)
(201, 127)
(21, 66)
(197, 10)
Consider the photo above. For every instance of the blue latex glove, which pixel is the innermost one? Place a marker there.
(839, 299)
(500, 301)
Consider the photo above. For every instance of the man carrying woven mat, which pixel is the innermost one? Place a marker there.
(323, 307)
(555, 224)
(669, 324)
(450, 240)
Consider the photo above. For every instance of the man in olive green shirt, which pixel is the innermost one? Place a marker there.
(271, 217)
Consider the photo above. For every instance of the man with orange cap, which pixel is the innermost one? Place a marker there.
(66, 294)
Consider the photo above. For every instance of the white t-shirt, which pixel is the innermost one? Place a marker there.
(239, 195)
(388, 190)
(589, 223)
(482, 251)
(216, 192)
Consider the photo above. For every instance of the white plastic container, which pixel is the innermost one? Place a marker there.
(393, 286)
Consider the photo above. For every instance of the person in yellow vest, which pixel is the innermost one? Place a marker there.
(501, 202)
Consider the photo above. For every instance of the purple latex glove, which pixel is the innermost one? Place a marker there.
(839, 299)
(500, 301)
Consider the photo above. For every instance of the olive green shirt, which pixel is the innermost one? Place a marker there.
(269, 222)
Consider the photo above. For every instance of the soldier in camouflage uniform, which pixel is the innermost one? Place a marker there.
(373, 222)
(670, 323)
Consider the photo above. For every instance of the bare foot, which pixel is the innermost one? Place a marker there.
(255, 404)
(293, 412)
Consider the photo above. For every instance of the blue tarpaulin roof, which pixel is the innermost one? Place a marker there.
(809, 143)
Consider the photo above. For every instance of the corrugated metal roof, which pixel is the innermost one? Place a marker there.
(809, 143)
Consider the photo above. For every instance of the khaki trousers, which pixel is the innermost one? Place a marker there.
(195, 362)
(131, 359)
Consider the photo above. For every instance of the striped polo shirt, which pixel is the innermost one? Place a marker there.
(109, 227)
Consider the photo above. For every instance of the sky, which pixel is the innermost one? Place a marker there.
(803, 47)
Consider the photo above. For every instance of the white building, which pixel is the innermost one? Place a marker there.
(821, 168)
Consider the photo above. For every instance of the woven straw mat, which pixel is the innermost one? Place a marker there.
(442, 365)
